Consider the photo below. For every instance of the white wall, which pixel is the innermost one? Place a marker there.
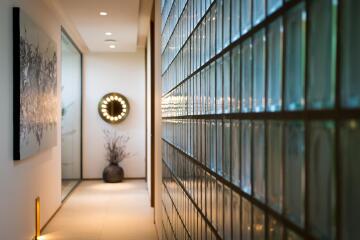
(114, 72)
(21, 182)
(148, 113)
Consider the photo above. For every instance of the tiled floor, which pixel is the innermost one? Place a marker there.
(100, 211)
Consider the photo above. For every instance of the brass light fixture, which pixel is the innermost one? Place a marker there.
(113, 108)
(37, 218)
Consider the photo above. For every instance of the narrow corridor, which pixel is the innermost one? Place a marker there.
(100, 211)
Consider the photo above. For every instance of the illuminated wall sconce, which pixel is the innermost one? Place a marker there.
(37, 218)
(113, 108)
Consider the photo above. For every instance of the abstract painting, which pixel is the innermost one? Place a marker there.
(35, 88)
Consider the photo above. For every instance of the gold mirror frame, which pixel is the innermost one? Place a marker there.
(103, 108)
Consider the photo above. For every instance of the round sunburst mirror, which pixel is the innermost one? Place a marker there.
(113, 108)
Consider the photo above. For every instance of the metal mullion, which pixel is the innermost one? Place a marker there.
(267, 210)
(338, 168)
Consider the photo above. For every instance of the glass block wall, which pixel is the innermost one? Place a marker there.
(261, 119)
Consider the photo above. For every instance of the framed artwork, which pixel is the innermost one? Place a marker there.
(35, 88)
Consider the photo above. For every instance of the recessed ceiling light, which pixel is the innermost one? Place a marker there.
(103, 13)
(108, 33)
(112, 46)
(110, 40)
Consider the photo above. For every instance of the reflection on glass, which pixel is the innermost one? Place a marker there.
(227, 149)
(294, 171)
(350, 165)
(70, 115)
(246, 156)
(350, 49)
(259, 72)
(235, 19)
(213, 146)
(259, 224)
(246, 219)
(273, 5)
(235, 152)
(322, 180)
(246, 75)
(227, 213)
(227, 89)
(274, 164)
(258, 11)
(212, 88)
(213, 201)
(213, 31)
(227, 23)
(292, 235)
(236, 215)
(295, 58)
(322, 54)
(245, 16)
(235, 79)
(219, 25)
(220, 207)
(259, 159)
(274, 70)
(219, 86)
(275, 229)
(219, 145)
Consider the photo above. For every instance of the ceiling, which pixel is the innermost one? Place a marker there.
(127, 20)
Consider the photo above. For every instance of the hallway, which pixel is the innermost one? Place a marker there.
(99, 211)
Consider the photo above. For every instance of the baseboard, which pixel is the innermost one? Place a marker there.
(127, 178)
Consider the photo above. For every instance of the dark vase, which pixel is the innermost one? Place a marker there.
(113, 174)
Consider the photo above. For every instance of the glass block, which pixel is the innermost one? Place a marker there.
(213, 30)
(213, 146)
(275, 229)
(322, 54)
(227, 149)
(227, 23)
(259, 160)
(350, 58)
(273, 5)
(259, 72)
(227, 87)
(236, 204)
(258, 11)
(350, 165)
(235, 19)
(246, 75)
(245, 16)
(259, 224)
(227, 213)
(294, 171)
(219, 25)
(295, 58)
(219, 146)
(220, 208)
(219, 86)
(275, 65)
(322, 180)
(274, 165)
(235, 152)
(235, 79)
(213, 201)
(246, 219)
(212, 88)
(246, 156)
